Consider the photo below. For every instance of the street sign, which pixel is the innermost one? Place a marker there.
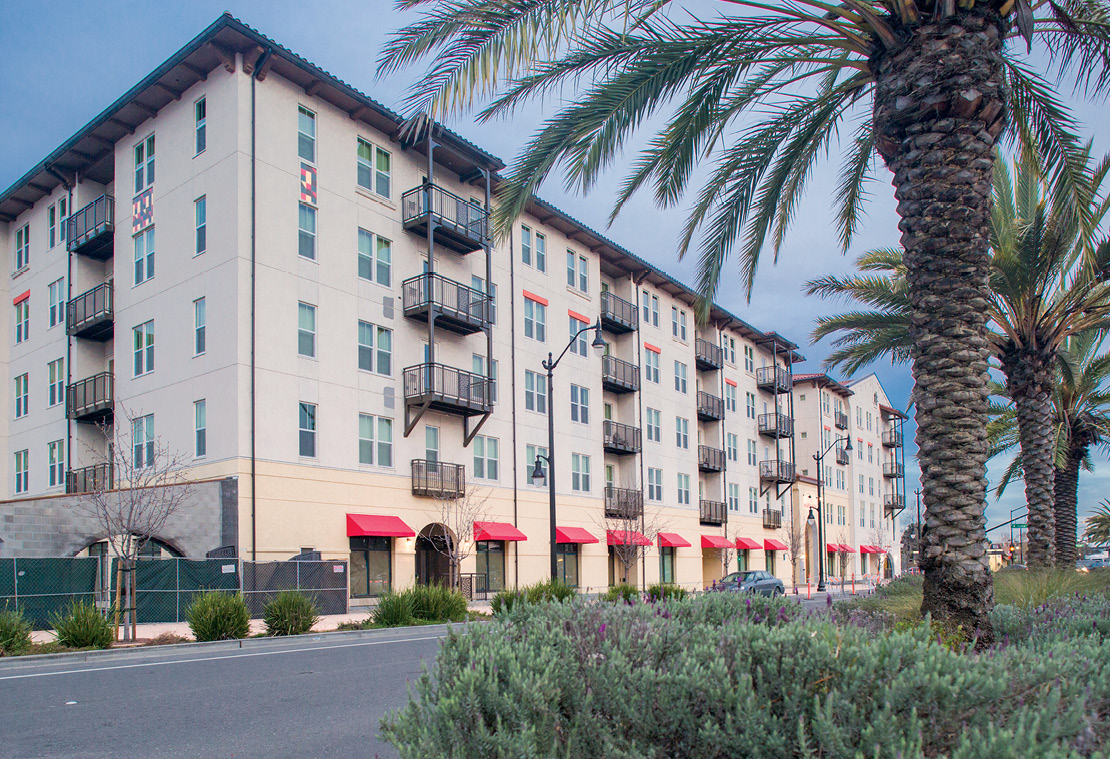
(1021, 526)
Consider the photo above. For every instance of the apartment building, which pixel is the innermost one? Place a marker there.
(862, 489)
(311, 310)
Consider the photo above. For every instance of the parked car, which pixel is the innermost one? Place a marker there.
(752, 581)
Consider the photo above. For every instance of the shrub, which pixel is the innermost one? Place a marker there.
(393, 610)
(665, 592)
(218, 616)
(15, 633)
(83, 626)
(436, 603)
(351, 624)
(622, 592)
(1036, 587)
(506, 599)
(167, 639)
(540, 592)
(291, 612)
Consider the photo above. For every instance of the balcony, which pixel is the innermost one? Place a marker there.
(893, 503)
(619, 376)
(710, 407)
(842, 456)
(454, 306)
(708, 356)
(711, 459)
(892, 439)
(436, 479)
(712, 512)
(776, 425)
(893, 471)
(90, 479)
(91, 231)
(777, 471)
(623, 503)
(90, 315)
(773, 379)
(620, 439)
(618, 315)
(91, 399)
(444, 388)
(772, 519)
(841, 420)
(458, 224)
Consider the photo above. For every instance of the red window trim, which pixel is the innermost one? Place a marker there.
(730, 382)
(578, 316)
(20, 298)
(536, 298)
(652, 348)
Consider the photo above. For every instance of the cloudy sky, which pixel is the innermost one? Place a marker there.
(63, 67)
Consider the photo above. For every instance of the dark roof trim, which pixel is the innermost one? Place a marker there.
(824, 380)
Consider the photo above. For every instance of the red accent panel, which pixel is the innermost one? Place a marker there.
(20, 298)
(652, 348)
(730, 382)
(748, 543)
(533, 296)
(579, 316)
(573, 535)
(715, 541)
(497, 531)
(673, 540)
(359, 525)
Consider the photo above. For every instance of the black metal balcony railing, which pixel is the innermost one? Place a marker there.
(619, 376)
(620, 438)
(90, 479)
(842, 456)
(447, 389)
(710, 407)
(459, 224)
(456, 307)
(893, 470)
(623, 503)
(617, 314)
(711, 459)
(91, 399)
(773, 379)
(894, 503)
(777, 471)
(841, 420)
(90, 231)
(708, 355)
(892, 439)
(438, 479)
(712, 512)
(776, 425)
(772, 519)
(90, 315)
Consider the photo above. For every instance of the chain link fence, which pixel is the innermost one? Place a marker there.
(324, 581)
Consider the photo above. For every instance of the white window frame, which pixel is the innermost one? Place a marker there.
(55, 382)
(200, 321)
(580, 473)
(306, 237)
(308, 139)
(142, 441)
(22, 247)
(655, 484)
(372, 431)
(381, 355)
(684, 489)
(307, 424)
(579, 404)
(56, 463)
(144, 163)
(654, 425)
(378, 260)
(680, 378)
(531, 454)
(200, 132)
(487, 455)
(144, 255)
(143, 348)
(303, 331)
(21, 470)
(56, 293)
(22, 395)
(535, 392)
(200, 428)
(535, 320)
(200, 221)
(580, 347)
(651, 366)
(682, 433)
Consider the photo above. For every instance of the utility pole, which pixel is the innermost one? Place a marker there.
(920, 539)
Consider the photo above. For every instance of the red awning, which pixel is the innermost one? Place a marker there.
(870, 549)
(673, 540)
(625, 537)
(847, 548)
(748, 544)
(835, 547)
(497, 531)
(715, 541)
(770, 544)
(363, 525)
(573, 535)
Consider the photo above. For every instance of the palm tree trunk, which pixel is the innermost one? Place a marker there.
(1066, 492)
(938, 111)
(1029, 378)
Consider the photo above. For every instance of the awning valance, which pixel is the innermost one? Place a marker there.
(377, 525)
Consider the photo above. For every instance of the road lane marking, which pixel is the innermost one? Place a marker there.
(219, 658)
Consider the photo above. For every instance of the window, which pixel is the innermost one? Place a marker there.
(526, 245)
(57, 298)
(21, 396)
(306, 330)
(651, 366)
(579, 404)
(749, 358)
(868, 420)
(55, 463)
(479, 284)
(490, 561)
(730, 349)
(142, 441)
(199, 321)
(730, 397)
(486, 452)
(578, 272)
(21, 483)
(535, 320)
(431, 443)
(541, 252)
(375, 440)
(861, 484)
(144, 348)
(733, 447)
(144, 256)
(533, 249)
(749, 400)
(682, 432)
(650, 307)
(62, 219)
(200, 215)
(306, 134)
(375, 258)
(580, 345)
(753, 453)
(674, 321)
(678, 323)
(306, 235)
(655, 484)
(733, 497)
(870, 454)
(679, 377)
(753, 500)
(371, 568)
(306, 425)
(684, 489)
(144, 164)
(535, 392)
(374, 171)
(51, 226)
(580, 472)
(56, 382)
(859, 448)
(375, 348)
(872, 515)
(871, 486)
(566, 563)
(859, 416)
(840, 479)
(862, 516)
(654, 425)
(23, 247)
(531, 456)
(666, 564)
(200, 112)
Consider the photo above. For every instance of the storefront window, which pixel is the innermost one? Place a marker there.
(371, 568)
(566, 563)
(742, 561)
(491, 563)
(666, 564)
(770, 561)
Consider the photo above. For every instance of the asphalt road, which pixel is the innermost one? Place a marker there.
(310, 696)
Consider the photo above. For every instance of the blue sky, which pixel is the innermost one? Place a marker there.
(61, 70)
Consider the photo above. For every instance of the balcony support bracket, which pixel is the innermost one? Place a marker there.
(468, 434)
(410, 420)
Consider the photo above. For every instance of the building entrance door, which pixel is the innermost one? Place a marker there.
(432, 565)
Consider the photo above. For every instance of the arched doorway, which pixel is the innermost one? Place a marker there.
(433, 567)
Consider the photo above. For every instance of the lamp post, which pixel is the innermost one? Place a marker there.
(538, 474)
(819, 457)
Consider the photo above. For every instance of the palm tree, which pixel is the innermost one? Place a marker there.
(933, 84)
(1098, 525)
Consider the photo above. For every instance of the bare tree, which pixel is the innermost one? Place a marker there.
(877, 536)
(626, 521)
(144, 486)
(795, 548)
(842, 556)
(457, 511)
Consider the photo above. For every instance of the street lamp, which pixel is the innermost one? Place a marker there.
(538, 474)
(819, 457)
